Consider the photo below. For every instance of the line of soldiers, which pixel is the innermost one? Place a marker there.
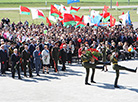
(90, 62)
(30, 56)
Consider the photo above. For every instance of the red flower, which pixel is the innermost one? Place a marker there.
(2, 62)
(88, 49)
(134, 48)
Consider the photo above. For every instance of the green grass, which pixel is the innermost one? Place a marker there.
(65, 0)
(15, 17)
(41, 3)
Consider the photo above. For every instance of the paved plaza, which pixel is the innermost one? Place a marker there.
(69, 86)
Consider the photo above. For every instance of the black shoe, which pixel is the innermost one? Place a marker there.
(20, 78)
(116, 86)
(136, 69)
(43, 72)
(93, 82)
(31, 76)
(25, 76)
(37, 75)
(87, 84)
(47, 72)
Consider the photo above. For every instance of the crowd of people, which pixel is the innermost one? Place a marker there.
(38, 46)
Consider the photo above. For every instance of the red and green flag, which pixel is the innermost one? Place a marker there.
(54, 11)
(117, 4)
(80, 24)
(73, 9)
(77, 18)
(48, 21)
(105, 8)
(68, 19)
(24, 10)
(41, 14)
(112, 21)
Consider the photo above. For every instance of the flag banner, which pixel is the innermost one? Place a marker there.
(125, 19)
(96, 19)
(37, 14)
(105, 8)
(87, 19)
(57, 6)
(72, 1)
(24, 10)
(48, 21)
(80, 24)
(52, 18)
(77, 18)
(54, 11)
(112, 21)
(41, 14)
(94, 13)
(104, 20)
(69, 20)
(73, 9)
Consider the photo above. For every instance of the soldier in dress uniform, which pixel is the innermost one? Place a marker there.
(55, 56)
(117, 67)
(90, 62)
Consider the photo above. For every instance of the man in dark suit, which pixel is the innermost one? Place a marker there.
(55, 56)
(37, 59)
(26, 60)
(15, 58)
(31, 50)
(3, 59)
(63, 54)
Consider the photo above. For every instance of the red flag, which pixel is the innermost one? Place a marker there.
(48, 21)
(54, 10)
(82, 17)
(77, 18)
(81, 24)
(24, 9)
(117, 4)
(76, 9)
(40, 13)
(106, 14)
(112, 21)
(105, 8)
(68, 17)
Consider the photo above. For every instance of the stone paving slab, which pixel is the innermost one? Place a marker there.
(69, 86)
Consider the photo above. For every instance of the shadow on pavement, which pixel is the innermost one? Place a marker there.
(111, 86)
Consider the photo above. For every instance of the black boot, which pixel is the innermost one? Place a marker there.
(116, 86)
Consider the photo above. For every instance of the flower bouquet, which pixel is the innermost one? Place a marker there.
(93, 53)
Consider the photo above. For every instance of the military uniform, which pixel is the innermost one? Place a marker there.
(117, 67)
(86, 63)
(55, 56)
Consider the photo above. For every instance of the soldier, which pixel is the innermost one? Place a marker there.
(117, 67)
(87, 65)
(55, 56)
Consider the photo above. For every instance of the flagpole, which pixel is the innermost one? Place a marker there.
(19, 16)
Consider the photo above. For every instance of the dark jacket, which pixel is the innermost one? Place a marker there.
(3, 56)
